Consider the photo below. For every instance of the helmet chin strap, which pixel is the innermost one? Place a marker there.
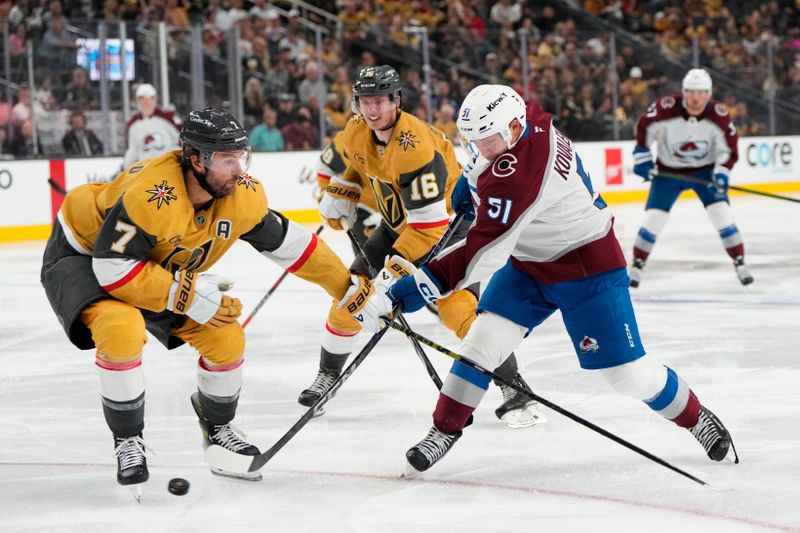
(203, 181)
(508, 135)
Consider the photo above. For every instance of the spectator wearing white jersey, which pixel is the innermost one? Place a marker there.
(151, 131)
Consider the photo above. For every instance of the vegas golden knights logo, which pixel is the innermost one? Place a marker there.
(187, 259)
(389, 203)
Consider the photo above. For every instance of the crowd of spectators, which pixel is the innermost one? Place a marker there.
(731, 37)
(471, 42)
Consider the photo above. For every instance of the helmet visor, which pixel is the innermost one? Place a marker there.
(488, 147)
(233, 163)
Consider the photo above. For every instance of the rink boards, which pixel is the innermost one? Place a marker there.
(28, 201)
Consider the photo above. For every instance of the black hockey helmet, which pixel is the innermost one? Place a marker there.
(382, 79)
(209, 130)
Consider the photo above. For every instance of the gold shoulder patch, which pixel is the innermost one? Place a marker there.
(407, 139)
(247, 181)
(162, 194)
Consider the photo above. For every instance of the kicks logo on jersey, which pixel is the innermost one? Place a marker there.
(406, 139)
(691, 150)
(589, 344)
(162, 194)
(248, 181)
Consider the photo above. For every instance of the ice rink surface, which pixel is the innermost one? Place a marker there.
(736, 346)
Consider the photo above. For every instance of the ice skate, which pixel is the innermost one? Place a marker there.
(742, 272)
(429, 450)
(636, 272)
(716, 440)
(517, 410)
(131, 464)
(322, 383)
(225, 447)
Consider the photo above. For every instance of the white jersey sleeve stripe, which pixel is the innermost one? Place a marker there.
(297, 244)
(112, 273)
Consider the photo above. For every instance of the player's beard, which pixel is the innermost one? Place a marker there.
(217, 191)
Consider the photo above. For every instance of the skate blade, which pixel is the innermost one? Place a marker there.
(731, 457)
(319, 412)
(250, 476)
(409, 472)
(136, 492)
(227, 463)
(523, 418)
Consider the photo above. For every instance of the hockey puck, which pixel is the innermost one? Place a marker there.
(178, 486)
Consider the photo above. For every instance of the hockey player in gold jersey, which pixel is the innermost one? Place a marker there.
(128, 255)
(332, 163)
(410, 168)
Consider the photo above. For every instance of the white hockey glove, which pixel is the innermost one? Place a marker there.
(361, 288)
(395, 268)
(338, 204)
(364, 303)
(379, 305)
(201, 299)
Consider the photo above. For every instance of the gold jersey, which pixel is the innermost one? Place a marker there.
(333, 162)
(141, 228)
(411, 178)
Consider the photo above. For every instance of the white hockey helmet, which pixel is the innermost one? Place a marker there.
(490, 109)
(697, 79)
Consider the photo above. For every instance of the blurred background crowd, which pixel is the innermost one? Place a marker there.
(287, 67)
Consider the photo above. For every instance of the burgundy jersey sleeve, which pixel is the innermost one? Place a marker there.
(662, 109)
(718, 114)
(509, 194)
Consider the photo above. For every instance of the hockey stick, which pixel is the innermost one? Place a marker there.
(543, 401)
(56, 187)
(272, 289)
(244, 463)
(700, 181)
(371, 269)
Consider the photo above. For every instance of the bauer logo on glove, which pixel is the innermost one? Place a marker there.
(357, 301)
(185, 293)
(344, 192)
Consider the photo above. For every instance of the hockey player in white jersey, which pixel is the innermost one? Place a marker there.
(547, 241)
(151, 131)
(695, 137)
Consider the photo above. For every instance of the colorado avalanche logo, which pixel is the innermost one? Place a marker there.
(504, 165)
(248, 181)
(153, 142)
(406, 139)
(668, 102)
(589, 344)
(162, 194)
(691, 150)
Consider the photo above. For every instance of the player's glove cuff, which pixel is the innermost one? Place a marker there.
(413, 292)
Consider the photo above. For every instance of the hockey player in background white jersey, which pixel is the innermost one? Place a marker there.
(695, 137)
(547, 241)
(151, 131)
